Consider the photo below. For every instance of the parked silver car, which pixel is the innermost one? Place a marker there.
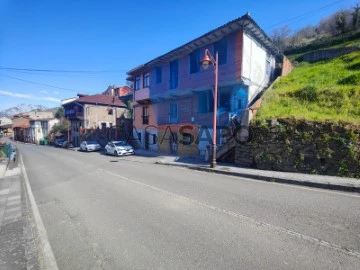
(90, 146)
(119, 148)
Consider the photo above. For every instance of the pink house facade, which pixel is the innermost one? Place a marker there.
(173, 91)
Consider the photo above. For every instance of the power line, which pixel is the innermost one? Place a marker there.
(43, 84)
(301, 16)
(61, 71)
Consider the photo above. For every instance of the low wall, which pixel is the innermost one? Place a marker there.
(305, 147)
(328, 54)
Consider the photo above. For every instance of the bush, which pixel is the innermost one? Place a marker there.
(350, 80)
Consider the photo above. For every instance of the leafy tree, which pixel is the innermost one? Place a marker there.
(60, 113)
(60, 129)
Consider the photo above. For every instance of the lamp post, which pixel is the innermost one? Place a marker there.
(205, 62)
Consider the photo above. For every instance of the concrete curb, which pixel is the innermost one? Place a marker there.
(46, 256)
(275, 179)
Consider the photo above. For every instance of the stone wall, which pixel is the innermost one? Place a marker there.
(328, 54)
(305, 147)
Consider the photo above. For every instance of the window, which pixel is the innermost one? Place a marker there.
(146, 80)
(103, 125)
(194, 61)
(145, 116)
(221, 47)
(224, 99)
(173, 113)
(205, 102)
(158, 74)
(137, 83)
(174, 76)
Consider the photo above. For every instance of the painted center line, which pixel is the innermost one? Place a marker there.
(243, 217)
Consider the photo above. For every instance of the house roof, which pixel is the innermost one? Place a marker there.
(23, 124)
(245, 22)
(42, 119)
(100, 99)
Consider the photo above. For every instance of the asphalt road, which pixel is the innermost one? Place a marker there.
(102, 212)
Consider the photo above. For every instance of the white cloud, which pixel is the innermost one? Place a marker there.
(26, 96)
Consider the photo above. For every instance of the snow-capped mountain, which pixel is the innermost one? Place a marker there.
(22, 108)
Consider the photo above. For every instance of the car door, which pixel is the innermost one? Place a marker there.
(108, 148)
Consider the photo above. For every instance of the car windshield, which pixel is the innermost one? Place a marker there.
(120, 143)
(92, 142)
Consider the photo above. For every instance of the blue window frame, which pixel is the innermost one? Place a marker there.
(194, 61)
(221, 47)
(146, 80)
(173, 113)
(158, 75)
(174, 74)
(205, 102)
(137, 83)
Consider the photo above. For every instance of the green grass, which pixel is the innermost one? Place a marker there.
(323, 91)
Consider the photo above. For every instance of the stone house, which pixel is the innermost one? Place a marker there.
(92, 112)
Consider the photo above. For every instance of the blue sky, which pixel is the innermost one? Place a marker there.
(111, 37)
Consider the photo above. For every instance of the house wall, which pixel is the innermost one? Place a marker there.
(5, 121)
(40, 115)
(96, 114)
(172, 141)
(229, 72)
(257, 66)
(75, 127)
(140, 129)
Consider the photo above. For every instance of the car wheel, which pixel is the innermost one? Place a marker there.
(116, 154)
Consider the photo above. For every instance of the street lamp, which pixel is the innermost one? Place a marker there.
(205, 62)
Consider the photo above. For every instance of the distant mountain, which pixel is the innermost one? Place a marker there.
(22, 108)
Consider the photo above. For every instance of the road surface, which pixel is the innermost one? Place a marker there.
(102, 212)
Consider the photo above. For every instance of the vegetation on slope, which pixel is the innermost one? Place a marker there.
(327, 90)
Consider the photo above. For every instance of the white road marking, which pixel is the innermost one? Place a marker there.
(243, 217)
(47, 258)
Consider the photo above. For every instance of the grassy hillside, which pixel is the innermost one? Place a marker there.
(327, 90)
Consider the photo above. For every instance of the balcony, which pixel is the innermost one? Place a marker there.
(142, 95)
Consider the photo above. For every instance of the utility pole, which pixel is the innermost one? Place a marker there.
(68, 130)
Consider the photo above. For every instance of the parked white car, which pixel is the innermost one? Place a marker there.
(119, 148)
(90, 146)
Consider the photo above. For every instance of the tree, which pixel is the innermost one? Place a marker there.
(59, 129)
(60, 113)
(340, 20)
(280, 36)
(355, 17)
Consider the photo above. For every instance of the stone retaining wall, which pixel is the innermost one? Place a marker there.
(328, 54)
(305, 147)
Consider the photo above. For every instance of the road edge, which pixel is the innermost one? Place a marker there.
(46, 256)
(275, 179)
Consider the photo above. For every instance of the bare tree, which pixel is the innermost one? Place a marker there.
(280, 36)
(355, 16)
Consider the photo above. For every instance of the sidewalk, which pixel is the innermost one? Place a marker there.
(17, 248)
(309, 180)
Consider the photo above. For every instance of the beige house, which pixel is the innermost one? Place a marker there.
(5, 126)
(40, 129)
(92, 112)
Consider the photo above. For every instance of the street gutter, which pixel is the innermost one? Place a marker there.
(349, 186)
